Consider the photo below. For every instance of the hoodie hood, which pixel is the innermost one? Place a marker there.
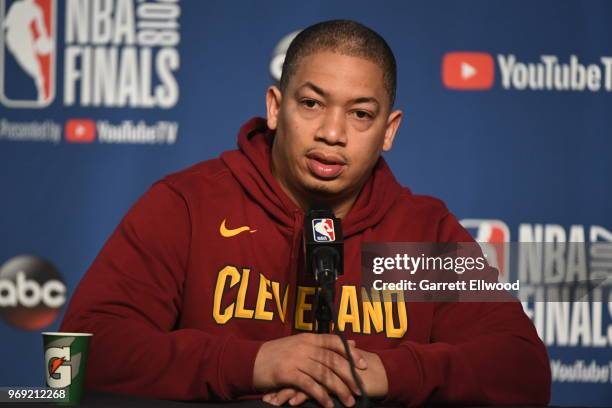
(250, 165)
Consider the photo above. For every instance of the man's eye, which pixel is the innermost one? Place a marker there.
(362, 114)
(309, 103)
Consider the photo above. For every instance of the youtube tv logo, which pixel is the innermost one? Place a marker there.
(468, 70)
(80, 131)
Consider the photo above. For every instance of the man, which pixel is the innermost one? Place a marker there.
(201, 292)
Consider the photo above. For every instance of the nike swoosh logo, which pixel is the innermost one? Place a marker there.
(228, 233)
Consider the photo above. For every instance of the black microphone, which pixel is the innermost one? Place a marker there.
(324, 249)
(323, 241)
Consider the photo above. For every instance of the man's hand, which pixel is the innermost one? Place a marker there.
(313, 363)
(374, 379)
(295, 397)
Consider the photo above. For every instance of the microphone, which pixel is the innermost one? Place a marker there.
(324, 248)
(323, 241)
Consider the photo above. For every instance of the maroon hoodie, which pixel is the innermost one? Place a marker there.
(208, 265)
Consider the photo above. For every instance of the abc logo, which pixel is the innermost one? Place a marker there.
(32, 292)
(278, 55)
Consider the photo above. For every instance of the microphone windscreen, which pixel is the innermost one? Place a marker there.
(322, 228)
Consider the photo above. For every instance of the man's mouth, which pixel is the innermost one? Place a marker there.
(324, 165)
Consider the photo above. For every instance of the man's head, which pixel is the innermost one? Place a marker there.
(333, 112)
(343, 37)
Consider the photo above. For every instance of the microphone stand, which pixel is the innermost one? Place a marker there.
(326, 274)
(325, 268)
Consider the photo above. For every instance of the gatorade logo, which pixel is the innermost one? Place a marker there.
(468, 70)
(59, 374)
(32, 292)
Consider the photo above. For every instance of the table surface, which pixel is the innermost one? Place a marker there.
(103, 399)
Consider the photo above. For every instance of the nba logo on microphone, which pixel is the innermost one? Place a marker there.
(28, 50)
(494, 239)
(323, 230)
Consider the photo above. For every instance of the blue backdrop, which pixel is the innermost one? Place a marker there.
(529, 149)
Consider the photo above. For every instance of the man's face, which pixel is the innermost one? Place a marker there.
(332, 122)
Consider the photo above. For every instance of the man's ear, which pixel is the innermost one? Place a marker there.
(273, 103)
(393, 123)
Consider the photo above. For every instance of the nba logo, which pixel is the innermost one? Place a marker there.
(27, 52)
(494, 238)
(323, 230)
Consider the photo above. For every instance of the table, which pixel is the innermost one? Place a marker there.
(110, 400)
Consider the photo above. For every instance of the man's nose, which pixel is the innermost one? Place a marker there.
(333, 128)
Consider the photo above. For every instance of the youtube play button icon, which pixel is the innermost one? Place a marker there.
(468, 70)
(80, 131)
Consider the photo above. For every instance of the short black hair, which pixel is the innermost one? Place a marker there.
(345, 37)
